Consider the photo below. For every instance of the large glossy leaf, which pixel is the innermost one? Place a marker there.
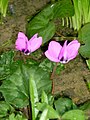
(64, 104)
(15, 88)
(74, 115)
(63, 8)
(84, 37)
(42, 24)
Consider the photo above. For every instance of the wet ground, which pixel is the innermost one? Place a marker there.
(72, 82)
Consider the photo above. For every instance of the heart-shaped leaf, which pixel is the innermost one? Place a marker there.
(63, 104)
(15, 89)
(84, 37)
(74, 115)
(42, 24)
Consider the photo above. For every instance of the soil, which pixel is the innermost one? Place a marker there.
(72, 81)
(18, 14)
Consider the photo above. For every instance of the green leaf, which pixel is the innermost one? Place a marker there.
(3, 7)
(63, 104)
(85, 106)
(17, 117)
(88, 63)
(47, 65)
(11, 117)
(6, 64)
(52, 114)
(41, 106)
(74, 115)
(84, 37)
(44, 115)
(63, 8)
(44, 97)
(60, 67)
(42, 24)
(33, 96)
(41, 77)
(15, 89)
(4, 108)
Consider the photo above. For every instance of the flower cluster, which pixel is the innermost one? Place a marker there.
(28, 46)
(55, 52)
(63, 54)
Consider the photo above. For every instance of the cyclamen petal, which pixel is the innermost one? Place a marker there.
(33, 37)
(21, 41)
(64, 54)
(35, 43)
(26, 46)
(72, 49)
(47, 54)
(54, 49)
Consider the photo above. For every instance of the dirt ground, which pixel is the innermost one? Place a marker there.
(18, 13)
(72, 82)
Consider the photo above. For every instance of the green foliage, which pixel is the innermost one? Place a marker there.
(42, 24)
(82, 14)
(17, 117)
(15, 88)
(52, 114)
(29, 83)
(44, 115)
(88, 63)
(74, 115)
(85, 106)
(63, 8)
(33, 96)
(64, 104)
(44, 97)
(47, 65)
(46, 109)
(6, 61)
(4, 109)
(3, 7)
(84, 37)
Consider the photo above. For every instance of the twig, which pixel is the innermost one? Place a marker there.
(52, 76)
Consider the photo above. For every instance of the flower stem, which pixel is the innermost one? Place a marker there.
(52, 76)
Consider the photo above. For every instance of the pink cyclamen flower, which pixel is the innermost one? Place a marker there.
(63, 54)
(27, 46)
